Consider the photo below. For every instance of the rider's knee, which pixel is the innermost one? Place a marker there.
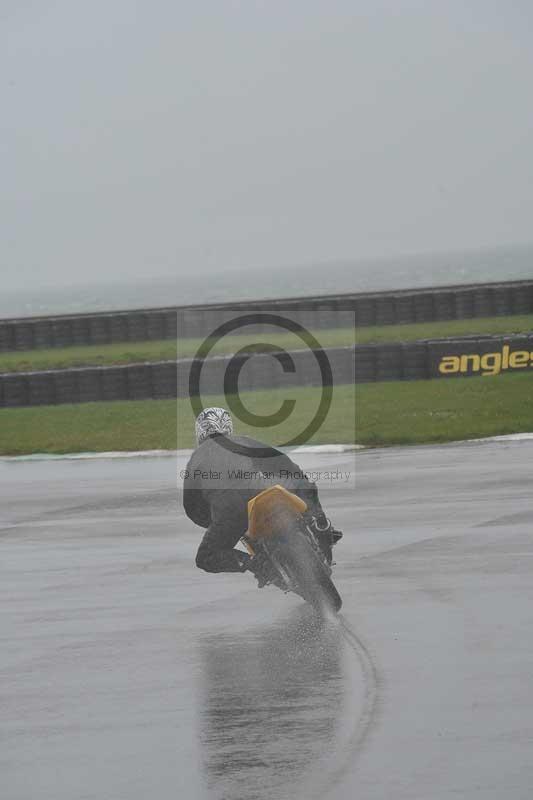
(204, 559)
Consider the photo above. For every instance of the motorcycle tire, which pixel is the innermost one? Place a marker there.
(309, 572)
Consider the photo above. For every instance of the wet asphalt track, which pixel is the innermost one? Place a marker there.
(127, 673)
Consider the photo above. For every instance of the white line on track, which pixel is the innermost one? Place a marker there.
(319, 448)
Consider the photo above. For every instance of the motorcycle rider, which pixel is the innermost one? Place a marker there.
(222, 475)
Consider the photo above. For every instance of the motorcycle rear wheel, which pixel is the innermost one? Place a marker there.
(309, 572)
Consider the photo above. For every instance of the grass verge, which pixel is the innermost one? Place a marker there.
(155, 424)
(419, 412)
(413, 412)
(520, 323)
(135, 352)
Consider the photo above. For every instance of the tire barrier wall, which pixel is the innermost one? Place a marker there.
(443, 358)
(334, 311)
(418, 360)
(168, 379)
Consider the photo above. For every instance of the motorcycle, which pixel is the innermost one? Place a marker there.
(298, 554)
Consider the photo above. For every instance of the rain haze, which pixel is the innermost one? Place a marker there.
(177, 144)
(266, 551)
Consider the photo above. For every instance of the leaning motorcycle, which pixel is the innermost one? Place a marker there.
(298, 554)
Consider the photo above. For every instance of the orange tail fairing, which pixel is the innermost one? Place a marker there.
(272, 512)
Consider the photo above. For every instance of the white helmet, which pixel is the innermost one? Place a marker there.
(212, 421)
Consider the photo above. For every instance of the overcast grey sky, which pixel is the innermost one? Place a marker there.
(156, 137)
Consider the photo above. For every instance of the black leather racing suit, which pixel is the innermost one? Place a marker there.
(218, 484)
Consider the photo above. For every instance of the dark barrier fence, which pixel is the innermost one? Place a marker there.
(333, 311)
(487, 356)
(443, 358)
(168, 379)
(166, 323)
(438, 358)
